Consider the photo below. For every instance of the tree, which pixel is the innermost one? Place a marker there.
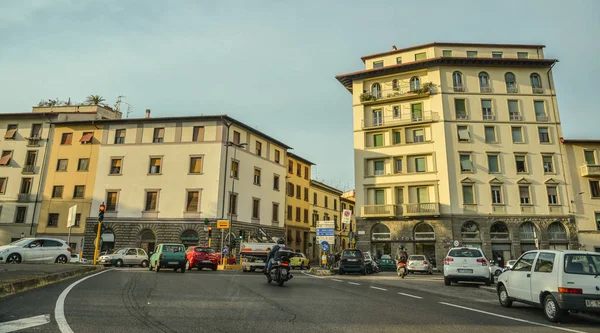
(94, 100)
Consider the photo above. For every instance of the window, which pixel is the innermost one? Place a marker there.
(62, 165)
(290, 189)
(326, 202)
(276, 182)
(466, 165)
(522, 55)
(36, 131)
(376, 90)
(493, 163)
(496, 54)
(11, 132)
(470, 230)
(398, 165)
(418, 135)
(155, 165)
(57, 191)
(490, 134)
(521, 164)
(298, 217)
(511, 82)
(471, 54)
(275, 217)
(314, 198)
(547, 163)
(151, 201)
(258, 148)
(396, 111)
(79, 191)
(524, 195)
(195, 164)
(6, 156)
(66, 139)
(496, 194)
(379, 167)
(26, 185)
(420, 56)
(255, 208)
(540, 111)
(416, 112)
(305, 220)
(233, 203)
(513, 110)
(536, 83)
(256, 176)
(544, 135)
(111, 201)
(52, 220)
(460, 109)
(306, 172)
(236, 137)
(399, 197)
(545, 262)
(552, 195)
(298, 169)
(83, 164)
(468, 197)
(517, 134)
(590, 157)
(235, 167)
(86, 137)
(396, 137)
(595, 188)
(289, 212)
(116, 165)
(484, 83)
(378, 64)
(306, 194)
(446, 53)
(290, 166)
(457, 81)
(77, 222)
(415, 83)
(159, 135)
(277, 156)
(198, 133)
(378, 140)
(298, 191)
(420, 164)
(3, 182)
(525, 263)
(119, 136)
(486, 109)
(597, 216)
(463, 133)
(20, 214)
(335, 204)
(398, 60)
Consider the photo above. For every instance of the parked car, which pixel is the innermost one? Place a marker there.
(419, 263)
(509, 264)
(168, 256)
(556, 281)
(76, 259)
(388, 265)
(352, 260)
(386, 256)
(201, 257)
(36, 250)
(299, 260)
(369, 263)
(129, 256)
(495, 270)
(466, 264)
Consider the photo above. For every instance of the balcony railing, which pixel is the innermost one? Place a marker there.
(541, 118)
(33, 141)
(378, 211)
(515, 117)
(512, 90)
(462, 116)
(29, 169)
(400, 93)
(590, 170)
(459, 88)
(404, 118)
(485, 89)
(538, 90)
(421, 209)
(488, 116)
(25, 197)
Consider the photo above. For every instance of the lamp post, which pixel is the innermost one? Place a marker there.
(233, 177)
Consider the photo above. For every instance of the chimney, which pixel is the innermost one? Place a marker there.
(147, 113)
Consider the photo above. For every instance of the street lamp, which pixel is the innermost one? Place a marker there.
(233, 176)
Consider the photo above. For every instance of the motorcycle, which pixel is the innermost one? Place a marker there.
(280, 270)
(401, 269)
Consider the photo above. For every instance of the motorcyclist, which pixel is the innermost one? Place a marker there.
(271, 255)
(402, 257)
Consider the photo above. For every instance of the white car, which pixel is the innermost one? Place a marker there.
(466, 264)
(75, 259)
(125, 257)
(419, 263)
(556, 281)
(36, 250)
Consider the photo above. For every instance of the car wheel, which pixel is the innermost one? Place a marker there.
(157, 267)
(447, 281)
(150, 267)
(183, 269)
(144, 263)
(119, 263)
(487, 282)
(14, 258)
(498, 272)
(302, 266)
(505, 301)
(364, 272)
(552, 311)
(342, 272)
(62, 259)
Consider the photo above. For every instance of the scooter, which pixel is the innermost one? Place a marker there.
(280, 271)
(401, 269)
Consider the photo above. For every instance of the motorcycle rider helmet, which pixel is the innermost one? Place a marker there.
(280, 241)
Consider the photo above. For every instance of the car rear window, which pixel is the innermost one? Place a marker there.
(199, 249)
(352, 253)
(416, 257)
(588, 264)
(465, 253)
(173, 248)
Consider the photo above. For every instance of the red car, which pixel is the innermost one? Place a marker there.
(201, 257)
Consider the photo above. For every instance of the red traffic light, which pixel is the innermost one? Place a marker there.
(210, 228)
(102, 208)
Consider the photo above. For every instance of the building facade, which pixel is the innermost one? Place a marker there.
(459, 144)
(325, 206)
(297, 202)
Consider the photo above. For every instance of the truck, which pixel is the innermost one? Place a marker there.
(168, 256)
(254, 255)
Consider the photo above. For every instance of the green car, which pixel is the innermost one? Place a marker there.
(168, 256)
(387, 264)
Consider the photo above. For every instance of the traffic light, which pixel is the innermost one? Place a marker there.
(210, 232)
(241, 235)
(205, 221)
(101, 210)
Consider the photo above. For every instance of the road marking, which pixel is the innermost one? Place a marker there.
(354, 283)
(314, 276)
(337, 280)
(21, 324)
(511, 318)
(378, 288)
(59, 310)
(409, 295)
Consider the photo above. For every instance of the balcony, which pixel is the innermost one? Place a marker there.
(512, 90)
(421, 209)
(402, 119)
(541, 118)
(590, 170)
(488, 116)
(25, 197)
(515, 117)
(538, 90)
(378, 211)
(28, 169)
(33, 141)
(396, 94)
(485, 89)
(459, 88)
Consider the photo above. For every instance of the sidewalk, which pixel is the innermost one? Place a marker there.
(15, 278)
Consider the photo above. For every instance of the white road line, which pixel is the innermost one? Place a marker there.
(409, 295)
(21, 324)
(59, 310)
(378, 288)
(314, 276)
(511, 318)
(337, 280)
(354, 283)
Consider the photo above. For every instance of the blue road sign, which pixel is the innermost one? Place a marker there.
(325, 232)
(225, 249)
(351, 235)
(324, 246)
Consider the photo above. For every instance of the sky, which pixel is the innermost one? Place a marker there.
(272, 64)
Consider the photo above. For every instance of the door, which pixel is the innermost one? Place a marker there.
(377, 118)
(519, 278)
(542, 274)
(130, 257)
(51, 250)
(422, 195)
(416, 111)
(142, 256)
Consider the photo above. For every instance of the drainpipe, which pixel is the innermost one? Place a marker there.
(42, 175)
(225, 169)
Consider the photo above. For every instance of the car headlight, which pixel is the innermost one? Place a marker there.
(4, 251)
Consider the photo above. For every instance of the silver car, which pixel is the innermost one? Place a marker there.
(125, 257)
(419, 263)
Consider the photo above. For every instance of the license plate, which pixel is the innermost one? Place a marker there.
(465, 271)
(352, 259)
(592, 303)
(259, 261)
(284, 271)
(206, 261)
(173, 263)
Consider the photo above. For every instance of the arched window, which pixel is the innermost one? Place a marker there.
(380, 232)
(527, 231)
(557, 232)
(415, 83)
(108, 240)
(470, 230)
(189, 238)
(395, 84)
(511, 82)
(536, 83)
(147, 240)
(424, 231)
(499, 230)
(457, 81)
(376, 90)
(484, 82)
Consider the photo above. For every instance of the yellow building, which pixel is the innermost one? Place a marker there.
(69, 181)
(325, 205)
(297, 202)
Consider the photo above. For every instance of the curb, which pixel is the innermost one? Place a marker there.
(13, 287)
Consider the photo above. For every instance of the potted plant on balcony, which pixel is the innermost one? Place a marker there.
(366, 96)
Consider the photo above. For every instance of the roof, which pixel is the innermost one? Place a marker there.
(31, 114)
(325, 187)
(346, 79)
(294, 156)
(567, 141)
(218, 117)
(422, 46)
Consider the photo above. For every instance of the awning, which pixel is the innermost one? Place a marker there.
(86, 138)
(5, 159)
(10, 134)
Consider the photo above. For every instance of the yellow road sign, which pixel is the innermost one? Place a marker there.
(222, 224)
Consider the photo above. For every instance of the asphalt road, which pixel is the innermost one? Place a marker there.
(137, 300)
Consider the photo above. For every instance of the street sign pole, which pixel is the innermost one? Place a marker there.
(101, 210)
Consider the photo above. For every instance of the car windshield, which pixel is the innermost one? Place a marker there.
(582, 264)
(416, 258)
(173, 248)
(200, 249)
(465, 253)
(21, 242)
(119, 251)
(385, 261)
(352, 253)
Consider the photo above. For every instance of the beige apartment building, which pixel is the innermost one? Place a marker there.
(297, 202)
(458, 143)
(325, 206)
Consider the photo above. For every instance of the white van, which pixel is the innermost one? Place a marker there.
(254, 255)
(557, 281)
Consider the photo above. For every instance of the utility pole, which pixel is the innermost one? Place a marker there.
(101, 210)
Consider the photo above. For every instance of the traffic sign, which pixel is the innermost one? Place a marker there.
(225, 249)
(346, 216)
(222, 224)
(325, 246)
(325, 232)
(456, 243)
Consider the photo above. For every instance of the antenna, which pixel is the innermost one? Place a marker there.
(118, 106)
